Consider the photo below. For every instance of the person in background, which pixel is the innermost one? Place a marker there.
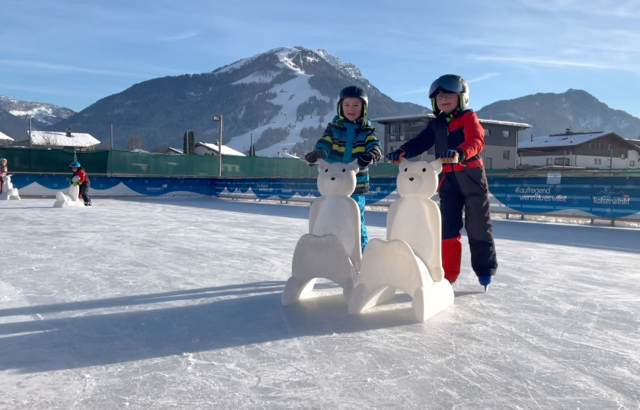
(80, 178)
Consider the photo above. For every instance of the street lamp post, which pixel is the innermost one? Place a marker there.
(218, 117)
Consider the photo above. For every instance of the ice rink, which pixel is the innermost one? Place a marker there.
(175, 304)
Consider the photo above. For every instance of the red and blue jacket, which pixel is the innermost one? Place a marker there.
(460, 130)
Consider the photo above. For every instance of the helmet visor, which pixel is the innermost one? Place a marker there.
(448, 84)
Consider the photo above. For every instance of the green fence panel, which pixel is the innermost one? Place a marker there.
(37, 159)
(241, 167)
(94, 162)
(134, 163)
(105, 162)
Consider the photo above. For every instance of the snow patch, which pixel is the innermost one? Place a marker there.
(258, 77)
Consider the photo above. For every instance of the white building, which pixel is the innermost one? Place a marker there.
(5, 139)
(602, 150)
(207, 148)
(54, 139)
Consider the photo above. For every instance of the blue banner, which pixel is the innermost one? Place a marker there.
(609, 197)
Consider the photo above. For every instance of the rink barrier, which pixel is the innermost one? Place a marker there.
(614, 198)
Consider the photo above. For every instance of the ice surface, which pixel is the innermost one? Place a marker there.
(175, 303)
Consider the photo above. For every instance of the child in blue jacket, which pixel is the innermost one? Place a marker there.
(349, 137)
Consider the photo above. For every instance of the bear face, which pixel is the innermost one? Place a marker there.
(418, 179)
(337, 178)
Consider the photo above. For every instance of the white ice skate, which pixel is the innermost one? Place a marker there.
(331, 249)
(410, 259)
(8, 191)
(73, 200)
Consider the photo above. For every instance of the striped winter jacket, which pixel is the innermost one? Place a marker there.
(344, 141)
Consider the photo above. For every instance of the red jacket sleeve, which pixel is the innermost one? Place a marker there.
(473, 135)
(83, 176)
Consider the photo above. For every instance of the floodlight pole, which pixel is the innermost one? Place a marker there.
(218, 117)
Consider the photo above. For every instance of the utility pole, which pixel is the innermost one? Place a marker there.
(111, 133)
(218, 117)
(29, 132)
(611, 159)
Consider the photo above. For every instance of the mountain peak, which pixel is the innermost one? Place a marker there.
(43, 114)
(295, 58)
(550, 113)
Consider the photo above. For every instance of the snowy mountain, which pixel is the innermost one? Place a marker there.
(13, 126)
(280, 98)
(42, 114)
(551, 113)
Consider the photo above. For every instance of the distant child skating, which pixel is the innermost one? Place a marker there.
(80, 178)
(4, 170)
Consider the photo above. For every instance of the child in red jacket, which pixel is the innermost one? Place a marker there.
(458, 138)
(4, 170)
(80, 177)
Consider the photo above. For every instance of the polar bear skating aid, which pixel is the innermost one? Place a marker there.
(8, 191)
(331, 249)
(73, 200)
(410, 259)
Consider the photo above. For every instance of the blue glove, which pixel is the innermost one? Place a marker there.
(395, 156)
(449, 156)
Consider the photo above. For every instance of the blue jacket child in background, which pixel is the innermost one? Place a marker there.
(349, 137)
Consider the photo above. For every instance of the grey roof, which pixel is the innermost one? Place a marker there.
(383, 120)
(5, 137)
(564, 140)
(60, 139)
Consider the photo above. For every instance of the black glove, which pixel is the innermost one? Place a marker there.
(312, 157)
(395, 156)
(365, 159)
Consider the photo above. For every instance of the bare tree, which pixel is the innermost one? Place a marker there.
(136, 142)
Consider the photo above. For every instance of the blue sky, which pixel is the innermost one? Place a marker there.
(73, 53)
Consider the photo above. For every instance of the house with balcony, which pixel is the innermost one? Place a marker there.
(600, 150)
(501, 138)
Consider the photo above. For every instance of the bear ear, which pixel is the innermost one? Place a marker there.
(353, 166)
(436, 165)
(321, 164)
(403, 162)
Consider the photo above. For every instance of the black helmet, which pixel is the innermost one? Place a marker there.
(353, 91)
(450, 83)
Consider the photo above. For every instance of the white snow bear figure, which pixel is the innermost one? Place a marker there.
(8, 191)
(331, 249)
(410, 259)
(73, 200)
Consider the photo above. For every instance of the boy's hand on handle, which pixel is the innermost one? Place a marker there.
(365, 159)
(452, 156)
(312, 157)
(396, 156)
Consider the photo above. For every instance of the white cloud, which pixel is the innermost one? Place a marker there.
(483, 77)
(179, 36)
(548, 61)
(68, 68)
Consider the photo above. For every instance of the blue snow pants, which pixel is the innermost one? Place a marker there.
(364, 238)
